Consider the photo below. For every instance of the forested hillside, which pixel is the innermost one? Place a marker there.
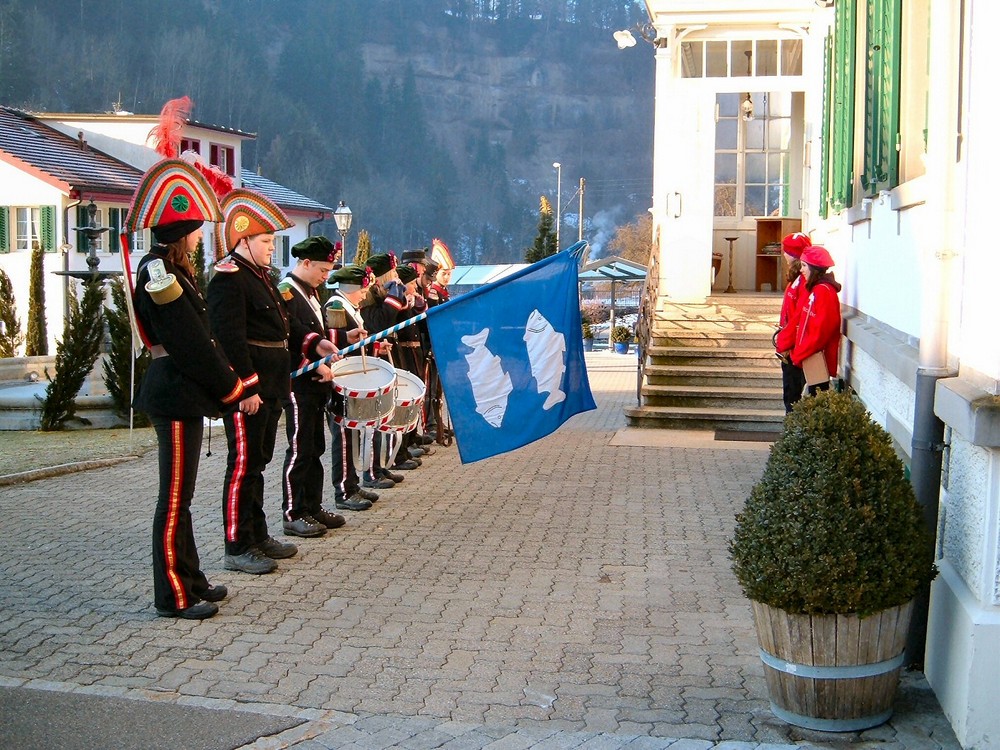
(428, 117)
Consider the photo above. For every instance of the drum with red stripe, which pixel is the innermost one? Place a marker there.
(367, 387)
(409, 397)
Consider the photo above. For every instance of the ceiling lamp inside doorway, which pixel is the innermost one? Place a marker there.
(747, 106)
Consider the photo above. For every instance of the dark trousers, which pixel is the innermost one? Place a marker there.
(814, 389)
(302, 485)
(793, 382)
(251, 445)
(342, 473)
(177, 577)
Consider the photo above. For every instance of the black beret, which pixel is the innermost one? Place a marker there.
(406, 273)
(315, 248)
(167, 233)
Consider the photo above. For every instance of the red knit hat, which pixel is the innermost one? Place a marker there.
(817, 256)
(795, 243)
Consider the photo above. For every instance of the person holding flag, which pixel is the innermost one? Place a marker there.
(188, 378)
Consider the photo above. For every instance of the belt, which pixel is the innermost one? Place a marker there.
(409, 344)
(283, 344)
(156, 351)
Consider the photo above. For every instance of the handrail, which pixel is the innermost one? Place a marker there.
(647, 317)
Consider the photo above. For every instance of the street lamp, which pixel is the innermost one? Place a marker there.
(343, 218)
(558, 167)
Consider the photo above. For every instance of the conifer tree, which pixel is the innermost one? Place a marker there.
(118, 370)
(11, 336)
(37, 336)
(545, 242)
(200, 272)
(364, 247)
(75, 356)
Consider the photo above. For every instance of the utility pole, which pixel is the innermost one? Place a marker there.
(583, 184)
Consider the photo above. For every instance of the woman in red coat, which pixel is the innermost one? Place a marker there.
(819, 321)
(793, 382)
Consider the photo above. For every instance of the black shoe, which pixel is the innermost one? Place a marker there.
(425, 450)
(276, 550)
(408, 465)
(424, 439)
(378, 484)
(392, 476)
(366, 494)
(214, 593)
(305, 527)
(415, 452)
(199, 611)
(354, 502)
(328, 519)
(251, 561)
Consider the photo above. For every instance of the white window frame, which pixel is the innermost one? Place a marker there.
(27, 227)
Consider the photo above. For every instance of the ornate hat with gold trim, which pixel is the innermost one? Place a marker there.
(172, 191)
(248, 213)
(440, 254)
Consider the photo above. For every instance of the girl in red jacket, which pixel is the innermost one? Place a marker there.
(818, 335)
(793, 382)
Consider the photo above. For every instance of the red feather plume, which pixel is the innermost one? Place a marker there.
(167, 134)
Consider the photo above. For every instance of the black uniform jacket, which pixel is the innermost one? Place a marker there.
(251, 324)
(194, 379)
(305, 335)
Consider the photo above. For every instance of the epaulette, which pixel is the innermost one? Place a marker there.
(286, 293)
(227, 265)
(336, 315)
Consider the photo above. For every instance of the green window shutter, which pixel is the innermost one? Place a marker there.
(115, 222)
(842, 116)
(824, 166)
(47, 230)
(4, 234)
(881, 158)
(81, 222)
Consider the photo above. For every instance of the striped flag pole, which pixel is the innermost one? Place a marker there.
(363, 343)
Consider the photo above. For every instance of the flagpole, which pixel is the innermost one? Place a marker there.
(361, 344)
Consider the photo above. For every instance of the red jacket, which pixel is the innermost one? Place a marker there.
(788, 319)
(818, 326)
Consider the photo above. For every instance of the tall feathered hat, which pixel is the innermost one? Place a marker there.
(166, 139)
(174, 199)
(247, 213)
(441, 255)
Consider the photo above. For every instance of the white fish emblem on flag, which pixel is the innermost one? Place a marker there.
(546, 354)
(490, 384)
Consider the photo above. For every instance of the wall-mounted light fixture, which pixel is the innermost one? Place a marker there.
(747, 106)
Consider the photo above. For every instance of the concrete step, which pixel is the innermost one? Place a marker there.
(706, 356)
(752, 372)
(714, 339)
(716, 397)
(703, 418)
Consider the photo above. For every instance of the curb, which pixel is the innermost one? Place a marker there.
(55, 471)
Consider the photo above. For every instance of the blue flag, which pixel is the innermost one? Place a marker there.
(510, 357)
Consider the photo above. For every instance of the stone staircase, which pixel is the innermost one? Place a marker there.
(711, 366)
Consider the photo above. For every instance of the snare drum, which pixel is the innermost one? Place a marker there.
(409, 397)
(367, 387)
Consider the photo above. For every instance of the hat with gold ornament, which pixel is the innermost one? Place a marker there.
(247, 214)
(173, 199)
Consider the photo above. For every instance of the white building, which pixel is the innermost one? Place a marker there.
(53, 166)
(868, 129)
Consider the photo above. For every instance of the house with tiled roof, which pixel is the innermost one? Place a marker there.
(53, 166)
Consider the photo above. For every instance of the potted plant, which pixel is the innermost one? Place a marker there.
(588, 336)
(831, 549)
(621, 337)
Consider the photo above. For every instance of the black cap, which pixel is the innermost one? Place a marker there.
(415, 256)
(382, 263)
(352, 276)
(167, 233)
(406, 273)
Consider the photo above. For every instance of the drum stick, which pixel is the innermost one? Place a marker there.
(360, 345)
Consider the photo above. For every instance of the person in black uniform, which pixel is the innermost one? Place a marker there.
(251, 323)
(409, 354)
(305, 408)
(188, 378)
(344, 322)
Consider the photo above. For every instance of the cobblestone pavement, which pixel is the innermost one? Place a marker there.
(574, 593)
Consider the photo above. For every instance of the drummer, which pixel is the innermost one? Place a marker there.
(345, 327)
(302, 479)
(409, 352)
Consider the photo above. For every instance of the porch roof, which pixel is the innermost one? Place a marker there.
(613, 268)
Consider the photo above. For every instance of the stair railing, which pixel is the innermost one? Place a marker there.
(647, 318)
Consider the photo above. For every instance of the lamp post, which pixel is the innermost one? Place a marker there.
(343, 217)
(558, 167)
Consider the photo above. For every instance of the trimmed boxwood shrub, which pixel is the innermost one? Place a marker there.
(833, 526)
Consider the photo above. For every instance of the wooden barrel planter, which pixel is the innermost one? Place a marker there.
(833, 673)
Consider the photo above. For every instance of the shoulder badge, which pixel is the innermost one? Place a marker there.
(286, 293)
(227, 265)
(334, 304)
